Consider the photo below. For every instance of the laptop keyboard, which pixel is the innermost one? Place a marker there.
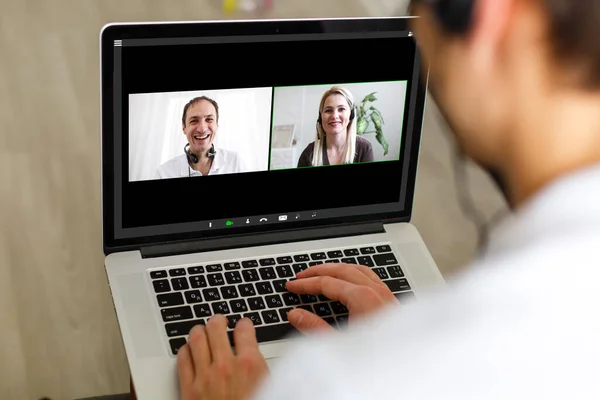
(255, 288)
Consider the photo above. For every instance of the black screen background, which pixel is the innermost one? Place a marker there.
(150, 69)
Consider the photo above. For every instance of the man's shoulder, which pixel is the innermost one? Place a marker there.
(173, 162)
(228, 154)
(172, 167)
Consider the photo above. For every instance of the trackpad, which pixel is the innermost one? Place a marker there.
(139, 324)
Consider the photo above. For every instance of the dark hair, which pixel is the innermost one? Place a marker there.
(196, 100)
(573, 34)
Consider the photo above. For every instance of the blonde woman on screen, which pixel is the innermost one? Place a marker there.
(336, 140)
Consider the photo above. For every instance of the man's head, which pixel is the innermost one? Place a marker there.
(507, 72)
(200, 121)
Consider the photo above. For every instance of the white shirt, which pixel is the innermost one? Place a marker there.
(225, 162)
(523, 322)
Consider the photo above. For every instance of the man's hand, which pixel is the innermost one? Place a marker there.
(208, 368)
(355, 286)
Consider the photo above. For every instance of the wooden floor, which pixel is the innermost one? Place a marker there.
(58, 333)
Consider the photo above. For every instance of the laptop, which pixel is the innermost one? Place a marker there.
(236, 154)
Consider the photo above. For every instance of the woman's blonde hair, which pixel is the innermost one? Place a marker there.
(350, 149)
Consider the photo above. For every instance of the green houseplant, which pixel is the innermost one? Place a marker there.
(367, 115)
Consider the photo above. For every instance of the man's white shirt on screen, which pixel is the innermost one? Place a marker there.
(522, 322)
(225, 162)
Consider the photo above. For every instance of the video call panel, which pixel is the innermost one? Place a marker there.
(233, 131)
(199, 133)
(323, 125)
(150, 71)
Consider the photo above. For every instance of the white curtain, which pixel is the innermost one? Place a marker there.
(156, 135)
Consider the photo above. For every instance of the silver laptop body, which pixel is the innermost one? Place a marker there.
(180, 249)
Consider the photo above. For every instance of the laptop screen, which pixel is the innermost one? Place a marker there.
(220, 128)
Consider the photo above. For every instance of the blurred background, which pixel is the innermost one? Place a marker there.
(58, 331)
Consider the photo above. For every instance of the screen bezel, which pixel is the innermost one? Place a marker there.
(112, 32)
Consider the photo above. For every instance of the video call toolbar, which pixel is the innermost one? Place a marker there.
(263, 219)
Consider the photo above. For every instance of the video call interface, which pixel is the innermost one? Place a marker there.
(224, 130)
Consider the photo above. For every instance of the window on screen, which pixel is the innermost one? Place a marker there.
(322, 125)
(220, 132)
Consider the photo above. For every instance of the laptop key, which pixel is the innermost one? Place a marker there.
(291, 299)
(381, 273)
(216, 279)
(254, 317)
(195, 270)
(202, 310)
(182, 328)
(385, 259)
(397, 285)
(198, 281)
(229, 292)
(349, 260)
(180, 283)
(176, 344)
(158, 274)
(383, 249)
(283, 313)
(257, 303)
(280, 285)
(284, 271)
(367, 250)
(365, 260)
(247, 290)
(299, 267)
(274, 301)
(267, 262)
(269, 332)
(284, 260)
(301, 258)
(351, 252)
(193, 296)
(170, 299)
(264, 287)
(211, 294)
(214, 268)
(318, 256)
(250, 264)
(238, 305)
(176, 313)
(322, 309)
(313, 263)
(233, 320)
(395, 271)
(338, 308)
(233, 277)
(270, 316)
(161, 286)
(177, 272)
(220, 307)
(308, 298)
(267, 273)
(232, 265)
(342, 320)
(250, 275)
(335, 254)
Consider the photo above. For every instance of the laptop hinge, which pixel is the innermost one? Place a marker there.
(260, 239)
